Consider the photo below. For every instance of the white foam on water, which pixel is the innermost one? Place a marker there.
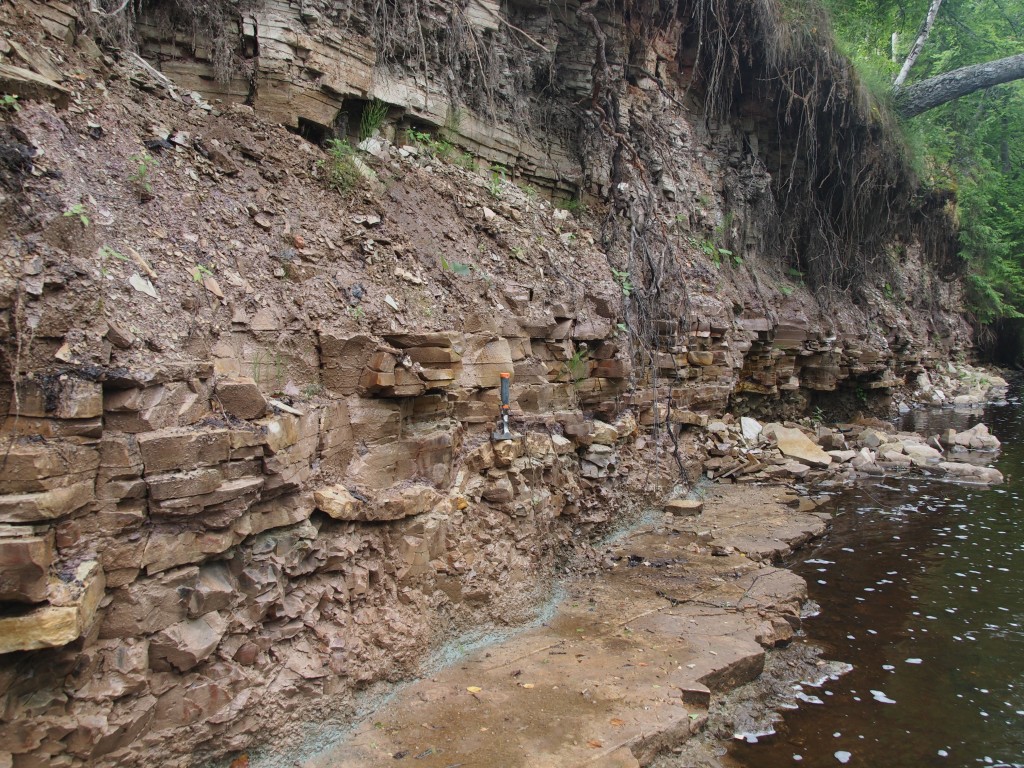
(880, 697)
(843, 756)
(808, 698)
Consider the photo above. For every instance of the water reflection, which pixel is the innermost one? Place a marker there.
(920, 589)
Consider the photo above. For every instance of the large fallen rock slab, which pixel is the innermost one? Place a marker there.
(796, 445)
(241, 397)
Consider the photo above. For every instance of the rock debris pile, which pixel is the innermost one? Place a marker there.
(745, 451)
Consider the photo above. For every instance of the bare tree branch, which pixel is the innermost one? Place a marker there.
(922, 38)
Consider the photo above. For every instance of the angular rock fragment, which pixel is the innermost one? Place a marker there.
(795, 444)
(71, 612)
(25, 556)
(185, 644)
(241, 397)
(684, 507)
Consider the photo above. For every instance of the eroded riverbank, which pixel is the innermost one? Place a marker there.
(629, 663)
(671, 641)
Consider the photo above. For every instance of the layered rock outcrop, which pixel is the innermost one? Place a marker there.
(247, 459)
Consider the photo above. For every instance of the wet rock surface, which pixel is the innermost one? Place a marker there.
(628, 664)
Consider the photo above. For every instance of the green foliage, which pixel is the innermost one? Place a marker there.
(575, 368)
(453, 121)
(200, 272)
(622, 278)
(974, 145)
(141, 177)
(373, 116)
(439, 148)
(498, 175)
(9, 102)
(573, 205)
(717, 254)
(105, 253)
(456, 267)
(340, 171)
(314, 389)
(77, 211)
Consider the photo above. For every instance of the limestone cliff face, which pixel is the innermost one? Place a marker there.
(247, 463)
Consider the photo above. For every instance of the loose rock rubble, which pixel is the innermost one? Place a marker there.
(747, 451)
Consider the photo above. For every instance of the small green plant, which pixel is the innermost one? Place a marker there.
(453, 121)
(372, 118)
(531, 193)
(77, 211)
(455, 267)
(200, 273)
(818, 415)
(356, 313)
(573, 205)
(575, 368)
(717, 254)
(439, 148)
(786, 290)
(142, 176)
(417, 137)
(498, 176)
(341, 173)
(9, 102)
(105, 254)
(312, 390)
(622, 278)
(887, 289)
(466, 161)
(258, 360)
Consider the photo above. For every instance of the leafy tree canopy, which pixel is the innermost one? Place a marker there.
(974, 144)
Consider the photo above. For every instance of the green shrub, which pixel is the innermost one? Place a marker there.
(373, 116)
(341, 173)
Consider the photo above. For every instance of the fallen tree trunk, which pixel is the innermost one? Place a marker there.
(920, 97)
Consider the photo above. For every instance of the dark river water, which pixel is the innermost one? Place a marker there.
(921, 588)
